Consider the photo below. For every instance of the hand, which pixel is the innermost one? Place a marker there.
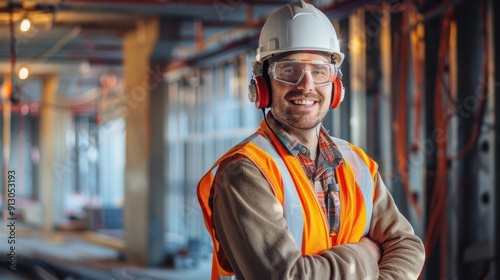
(373, 246)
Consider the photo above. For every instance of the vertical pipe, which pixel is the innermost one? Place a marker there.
(385, 101)
(432, 36)
(488, 149)
(496, 137)
(416, 152)
(453, 171)
(357, 49)
(470, 53)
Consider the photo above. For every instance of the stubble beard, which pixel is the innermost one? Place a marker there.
(295, 117)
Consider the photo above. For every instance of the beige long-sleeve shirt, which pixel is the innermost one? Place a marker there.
(249, 223)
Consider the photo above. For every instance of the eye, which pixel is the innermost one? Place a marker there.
(289, 70)
(320, 71)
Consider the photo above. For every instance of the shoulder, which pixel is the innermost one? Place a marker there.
(239, 176)
(236, 165)
(346, 147)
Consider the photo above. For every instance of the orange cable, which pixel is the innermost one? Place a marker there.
(419, 81)
(437, 220)
(401, 128)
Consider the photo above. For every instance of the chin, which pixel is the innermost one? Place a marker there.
(304, 125)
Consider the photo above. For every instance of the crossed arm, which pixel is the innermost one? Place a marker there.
(251, 229)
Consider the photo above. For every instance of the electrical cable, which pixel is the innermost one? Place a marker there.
(437, 226)
(437, 221)
(400, 128)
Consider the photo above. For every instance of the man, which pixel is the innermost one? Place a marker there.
(291, 202)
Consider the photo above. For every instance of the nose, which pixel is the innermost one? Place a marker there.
(306, 83)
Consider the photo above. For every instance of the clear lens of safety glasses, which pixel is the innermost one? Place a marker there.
(292, 71)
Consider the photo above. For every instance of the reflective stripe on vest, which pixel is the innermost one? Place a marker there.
(292, 207)
(362, 176)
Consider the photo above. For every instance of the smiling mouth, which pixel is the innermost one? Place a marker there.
(302, 102)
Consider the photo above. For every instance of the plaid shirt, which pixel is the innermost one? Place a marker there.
(322, 176)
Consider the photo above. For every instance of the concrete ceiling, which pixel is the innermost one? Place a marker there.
(90, 31)
(82, 39)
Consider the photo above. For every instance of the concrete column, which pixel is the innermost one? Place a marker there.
(146, 50)
(47, 133)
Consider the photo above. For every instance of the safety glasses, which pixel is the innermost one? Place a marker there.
(292, 71)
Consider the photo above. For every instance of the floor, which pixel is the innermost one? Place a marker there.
(69, 255)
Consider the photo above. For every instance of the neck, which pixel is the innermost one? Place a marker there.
(307, 137)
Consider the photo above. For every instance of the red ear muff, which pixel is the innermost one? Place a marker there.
(258, 89)
(262, 98)
(338, 92)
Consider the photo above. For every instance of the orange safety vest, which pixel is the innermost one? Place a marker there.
(293, 189)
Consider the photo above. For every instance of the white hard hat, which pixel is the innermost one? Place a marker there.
(298, 27)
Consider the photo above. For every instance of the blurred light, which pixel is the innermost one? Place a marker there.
(85, 67)
(356, 45)
(6, 89)
(92, 154)
(29, 4)
(108, 81)
(25, 109)
(354, 122)
(23, 73)
(25, 25)
(35, 155)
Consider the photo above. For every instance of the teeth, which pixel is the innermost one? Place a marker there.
(302, 102)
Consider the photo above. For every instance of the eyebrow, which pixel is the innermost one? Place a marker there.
(303, 60)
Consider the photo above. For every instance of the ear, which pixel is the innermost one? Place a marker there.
(338, 93)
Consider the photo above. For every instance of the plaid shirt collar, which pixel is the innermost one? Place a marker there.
(328, 149)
